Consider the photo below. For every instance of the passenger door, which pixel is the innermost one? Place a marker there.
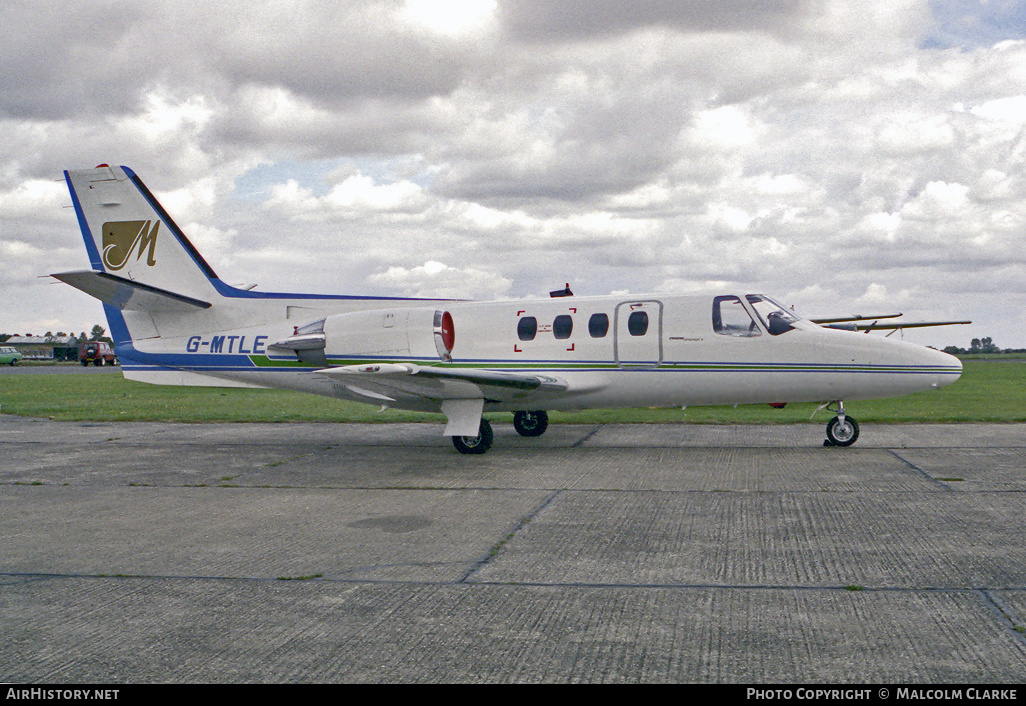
(639, 333)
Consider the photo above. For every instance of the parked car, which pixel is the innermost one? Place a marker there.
(9, 356)
(97, 353)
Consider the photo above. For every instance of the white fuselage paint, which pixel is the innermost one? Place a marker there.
(679, 361)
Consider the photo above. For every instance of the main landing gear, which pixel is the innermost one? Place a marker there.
(526, 424)
(842, 430)
(531, 423)
(475, 444)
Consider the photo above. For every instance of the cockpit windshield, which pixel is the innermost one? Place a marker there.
(774, 317)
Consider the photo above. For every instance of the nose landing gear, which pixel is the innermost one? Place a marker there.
(842, 430)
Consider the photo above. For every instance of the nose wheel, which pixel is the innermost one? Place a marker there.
(842, 430)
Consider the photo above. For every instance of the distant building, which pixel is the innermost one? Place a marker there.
(45, 347)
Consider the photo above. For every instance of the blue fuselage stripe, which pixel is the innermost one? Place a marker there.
(207, 362)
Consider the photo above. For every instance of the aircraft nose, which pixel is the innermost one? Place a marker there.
(945, 368)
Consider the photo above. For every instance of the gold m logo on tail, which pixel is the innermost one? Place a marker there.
(122, 238)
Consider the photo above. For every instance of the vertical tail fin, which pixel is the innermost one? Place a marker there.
(154, 285)
(129, 236)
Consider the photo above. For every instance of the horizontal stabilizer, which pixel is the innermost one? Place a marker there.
(126, 295)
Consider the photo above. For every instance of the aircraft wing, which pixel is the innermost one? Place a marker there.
(852, 317)
(439, 383)
(874, 326)
(859, 322)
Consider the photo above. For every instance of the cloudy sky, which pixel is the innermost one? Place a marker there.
(842, 156)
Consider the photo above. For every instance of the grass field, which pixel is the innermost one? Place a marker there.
(989, 391)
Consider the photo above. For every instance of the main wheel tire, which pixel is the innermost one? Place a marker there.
(531, 423)
(475, 444)
(842, 433)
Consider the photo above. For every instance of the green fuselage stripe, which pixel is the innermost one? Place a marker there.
(263, 361)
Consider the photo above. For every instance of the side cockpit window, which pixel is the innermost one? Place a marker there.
(730, 318)
(775, 318)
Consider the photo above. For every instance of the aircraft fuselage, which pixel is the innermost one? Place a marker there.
(612, 351)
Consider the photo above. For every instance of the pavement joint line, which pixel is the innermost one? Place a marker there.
(921, 472)
(223, 485)
(497, 547)
(580, 442)
(984, 593)
(1014, 622)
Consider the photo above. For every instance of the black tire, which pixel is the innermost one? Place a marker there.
(475, 444)
(844, 434)
(531, 423)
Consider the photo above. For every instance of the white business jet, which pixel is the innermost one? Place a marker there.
(174, 321)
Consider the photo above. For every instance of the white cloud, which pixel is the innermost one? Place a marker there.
(729, 127)
(32, 198)
(1010, 110)
(455, 18)
(361, 192)
(938, 200)
(434, 279)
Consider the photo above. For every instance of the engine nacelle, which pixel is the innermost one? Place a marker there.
(414, 333)
(375, 333)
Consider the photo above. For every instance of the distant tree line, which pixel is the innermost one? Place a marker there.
(97, 333)
(982, 345)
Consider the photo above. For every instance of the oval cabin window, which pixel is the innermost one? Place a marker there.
(563, 326)
(637, 323)
(527, 328)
